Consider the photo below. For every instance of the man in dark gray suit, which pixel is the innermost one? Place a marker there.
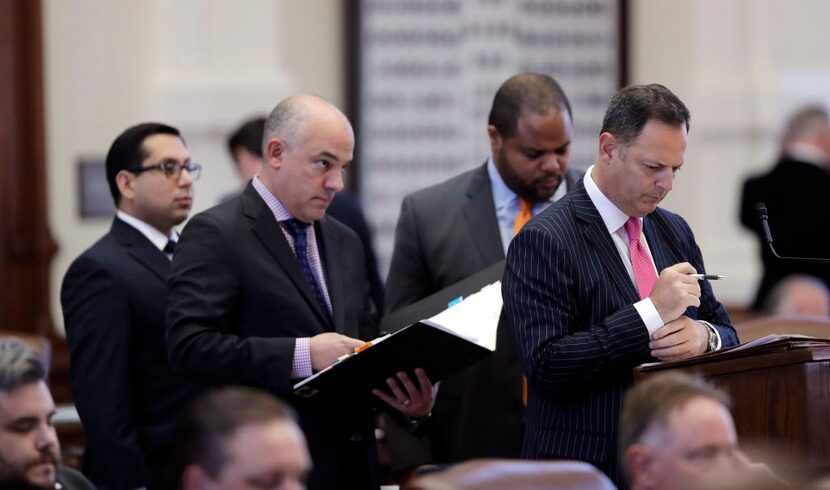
(265, 290)
(452, 230)
(113, 298)
(582, 291)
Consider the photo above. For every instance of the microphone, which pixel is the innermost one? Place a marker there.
(761, 209)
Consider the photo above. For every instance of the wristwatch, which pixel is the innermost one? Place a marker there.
(714, 339)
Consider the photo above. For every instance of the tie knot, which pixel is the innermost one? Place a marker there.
(170, 247)
(296, 227)
(632, 228)
(525, 206)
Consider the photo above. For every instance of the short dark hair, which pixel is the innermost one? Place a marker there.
(214, 417)
(649, 403)
(19, 364)
(248, 136)
(632, 107)
(127, 151)
(525, 93)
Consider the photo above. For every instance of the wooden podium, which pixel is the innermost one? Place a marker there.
(780, 394)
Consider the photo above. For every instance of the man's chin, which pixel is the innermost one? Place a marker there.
(43, 476)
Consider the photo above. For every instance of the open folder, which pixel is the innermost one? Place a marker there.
(460, 335)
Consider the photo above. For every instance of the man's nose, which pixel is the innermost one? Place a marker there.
(665, 180)
(334, 181)
(46, 438)
(185, 179)
(551, 162)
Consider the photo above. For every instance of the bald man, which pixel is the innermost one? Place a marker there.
(265, 290)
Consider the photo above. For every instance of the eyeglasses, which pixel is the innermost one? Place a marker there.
(173, 170)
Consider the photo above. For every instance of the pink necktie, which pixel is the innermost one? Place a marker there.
(644, 274)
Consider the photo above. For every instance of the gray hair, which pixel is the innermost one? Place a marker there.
(19, 364)
(287, 121)
(805, 121)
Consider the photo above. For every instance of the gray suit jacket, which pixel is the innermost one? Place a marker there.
(446, 233)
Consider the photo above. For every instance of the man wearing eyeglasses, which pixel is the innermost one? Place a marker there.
(113, 298)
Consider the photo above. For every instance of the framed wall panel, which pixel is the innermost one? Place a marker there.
(425, 72)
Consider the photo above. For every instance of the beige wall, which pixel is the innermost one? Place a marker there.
(200, 65)
(204, 65)
(741, 66)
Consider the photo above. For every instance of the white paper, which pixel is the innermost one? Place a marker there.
(476, 317)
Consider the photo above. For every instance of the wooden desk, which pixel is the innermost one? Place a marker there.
(780, 397)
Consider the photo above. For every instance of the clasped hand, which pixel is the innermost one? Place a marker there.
(680, 337)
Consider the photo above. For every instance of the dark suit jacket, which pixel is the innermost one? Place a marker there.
(446, 233)
(129, 400)
(798, 204)
(238, 300)
(571, 301)
(346, 208)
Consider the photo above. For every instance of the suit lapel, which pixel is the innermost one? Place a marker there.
(663, 250)
(597, 234)
(480, 214)
(141, 249)
(264, 226)
(327, 242)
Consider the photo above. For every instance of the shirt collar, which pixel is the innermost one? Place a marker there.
(503, 196)
(611, 215)
(157, 238)
(273, 202)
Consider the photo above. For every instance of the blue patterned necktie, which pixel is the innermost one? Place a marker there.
(298, 231)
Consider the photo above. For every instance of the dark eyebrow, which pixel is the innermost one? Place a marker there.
(328, 154)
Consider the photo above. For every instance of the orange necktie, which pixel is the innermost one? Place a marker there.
(525, 213)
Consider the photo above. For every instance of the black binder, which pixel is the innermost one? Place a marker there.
(429, 346)
(415, 343)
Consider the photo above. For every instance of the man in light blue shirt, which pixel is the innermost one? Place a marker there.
(457, 228)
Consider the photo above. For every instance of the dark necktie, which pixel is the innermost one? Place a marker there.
(298, 231)
(170, 248)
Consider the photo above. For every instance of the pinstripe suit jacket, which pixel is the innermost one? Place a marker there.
(577, 333)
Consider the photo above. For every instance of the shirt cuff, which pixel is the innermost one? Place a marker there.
(714, 331)
(648, 313)
(301, 366)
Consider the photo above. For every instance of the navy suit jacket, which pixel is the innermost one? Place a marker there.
(238, 301)
(578, 336)
(113, 298)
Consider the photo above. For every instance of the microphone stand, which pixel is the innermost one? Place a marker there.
(761, 209)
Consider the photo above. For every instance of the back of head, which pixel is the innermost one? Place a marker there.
(214, 417)
(799, 295)
(525, 93)
(632, 107)
(806, 121)
(127, 152)
(248, 136)
(19, 364)
(649, 403)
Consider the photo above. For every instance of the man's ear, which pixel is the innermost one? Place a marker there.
(194, 477)
(496, 140)
(274, 151)
(608, 144)
(124, 181)
(638, 462)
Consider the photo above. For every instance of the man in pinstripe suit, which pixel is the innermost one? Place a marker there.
(581, 284)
